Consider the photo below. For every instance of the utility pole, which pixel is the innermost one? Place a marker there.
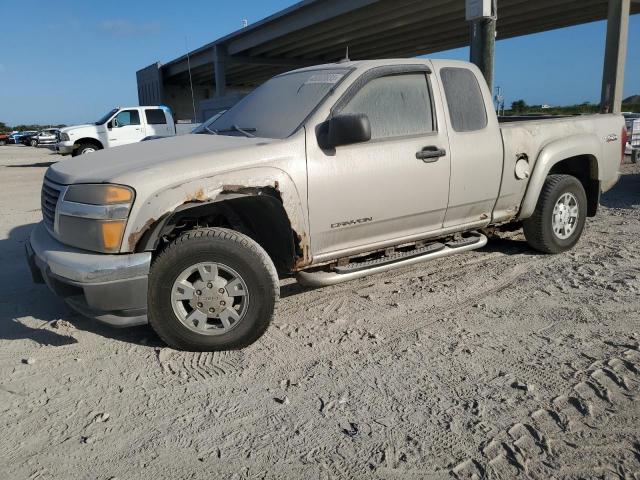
(483, 16)
(615, 56)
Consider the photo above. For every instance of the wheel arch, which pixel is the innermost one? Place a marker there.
(578, 156)
(268, 211)
(91, 140)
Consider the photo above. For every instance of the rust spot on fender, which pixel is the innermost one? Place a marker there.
(135, 237)
(234, 188)
(197, 196)
(303, 246)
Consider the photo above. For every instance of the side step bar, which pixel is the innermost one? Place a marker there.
(324, 278)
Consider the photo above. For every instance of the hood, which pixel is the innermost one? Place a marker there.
(73, 128)
(173, 156)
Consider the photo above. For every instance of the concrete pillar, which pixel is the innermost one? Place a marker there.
(615, 56)
(220, 69)
(483, 45)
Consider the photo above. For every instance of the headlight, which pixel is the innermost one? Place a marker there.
(64, 137)
(94, 216)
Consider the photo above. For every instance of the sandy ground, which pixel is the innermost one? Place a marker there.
(492, 364)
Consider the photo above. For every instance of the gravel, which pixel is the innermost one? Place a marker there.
(495, 363)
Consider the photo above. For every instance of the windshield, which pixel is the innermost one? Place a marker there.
(278, 107)
(106, 117)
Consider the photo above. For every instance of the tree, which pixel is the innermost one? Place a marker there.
(519, 106)
(4, 127)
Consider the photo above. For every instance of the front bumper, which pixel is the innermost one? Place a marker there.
(109, 288)
(64, 148)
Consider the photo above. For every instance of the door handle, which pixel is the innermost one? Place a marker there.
(430, 154)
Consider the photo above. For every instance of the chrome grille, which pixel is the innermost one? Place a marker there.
(49, 200)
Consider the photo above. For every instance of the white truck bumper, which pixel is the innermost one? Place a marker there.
(64, 148)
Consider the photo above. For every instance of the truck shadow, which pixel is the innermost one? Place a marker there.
(30, 311)
(625, 194)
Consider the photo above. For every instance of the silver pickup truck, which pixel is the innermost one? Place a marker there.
(329, 173)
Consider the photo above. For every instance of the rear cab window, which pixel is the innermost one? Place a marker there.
(467, 110)
(155, 116)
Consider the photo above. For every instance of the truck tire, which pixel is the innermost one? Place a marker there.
(212, 289)
(84, 148)
(559, 217)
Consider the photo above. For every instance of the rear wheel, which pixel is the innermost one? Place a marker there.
(212, 289)
(559, 217)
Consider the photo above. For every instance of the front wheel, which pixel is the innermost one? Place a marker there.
(212, 289)
(84, 148)
(34, 143)
(559, 217)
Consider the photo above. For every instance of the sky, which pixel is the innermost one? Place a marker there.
(73, 60)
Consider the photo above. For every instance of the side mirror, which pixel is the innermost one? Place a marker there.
(344, 130)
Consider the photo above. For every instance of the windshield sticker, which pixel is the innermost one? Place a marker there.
(330, 78)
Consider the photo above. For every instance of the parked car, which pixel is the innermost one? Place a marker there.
(329, 173)
(629, 118)
(48, 136)
(28, 140)
(634, 141)
(4, 137)
(120, 126)
(16, 137)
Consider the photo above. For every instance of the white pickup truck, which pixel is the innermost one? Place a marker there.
(121, 126)
(328, 173)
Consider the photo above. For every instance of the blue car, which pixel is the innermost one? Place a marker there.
(15, 137)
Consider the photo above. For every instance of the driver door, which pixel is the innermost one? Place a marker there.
(125, 128)
(383, 191)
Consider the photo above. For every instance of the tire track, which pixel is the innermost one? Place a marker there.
(517, 449)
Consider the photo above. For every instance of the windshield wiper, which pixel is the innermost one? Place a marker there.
(234, 128)
(213, 132)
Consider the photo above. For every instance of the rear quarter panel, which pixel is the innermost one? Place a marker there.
(546, 142)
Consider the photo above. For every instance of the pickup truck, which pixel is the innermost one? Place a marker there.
(328, 173)
(120, 126)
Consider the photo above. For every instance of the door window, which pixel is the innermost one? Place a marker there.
(128, 117)
(396, 105)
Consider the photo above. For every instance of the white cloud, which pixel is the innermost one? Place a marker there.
(126, 28)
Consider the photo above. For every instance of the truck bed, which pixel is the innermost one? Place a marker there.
(526, 137)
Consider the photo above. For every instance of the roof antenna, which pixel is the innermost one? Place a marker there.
(346, 56)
